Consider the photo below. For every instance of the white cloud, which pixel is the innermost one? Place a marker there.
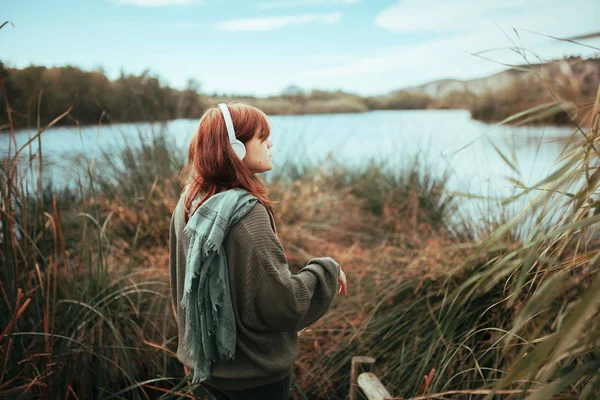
(557, 18)
(461, 29)
(158, 3)
(304, 3)
(452, 57)
(428, 55)
(273, 23)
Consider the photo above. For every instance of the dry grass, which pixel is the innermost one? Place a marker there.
(90, 313)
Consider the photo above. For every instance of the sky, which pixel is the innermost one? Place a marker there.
(367, 47)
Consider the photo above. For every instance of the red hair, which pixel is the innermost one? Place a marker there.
(212, 165)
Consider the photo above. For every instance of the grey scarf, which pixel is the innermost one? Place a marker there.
(209, 320)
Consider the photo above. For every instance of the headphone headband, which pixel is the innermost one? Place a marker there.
(228, 121)
(238, 147)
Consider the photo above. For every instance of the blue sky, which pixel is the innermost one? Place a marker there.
(261, 47)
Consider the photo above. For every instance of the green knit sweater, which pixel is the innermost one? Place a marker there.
(269, 302)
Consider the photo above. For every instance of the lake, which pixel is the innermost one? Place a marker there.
(447, 139)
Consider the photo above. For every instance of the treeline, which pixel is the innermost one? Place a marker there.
(49, 92)
(569, 85)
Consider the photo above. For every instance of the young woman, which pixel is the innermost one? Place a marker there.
(238, 306)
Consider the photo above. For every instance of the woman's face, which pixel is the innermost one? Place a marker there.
(258, 154)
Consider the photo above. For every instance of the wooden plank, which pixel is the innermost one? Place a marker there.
(359, 363)
(372, 387)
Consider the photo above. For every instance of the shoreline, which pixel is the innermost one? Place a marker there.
(161, 122)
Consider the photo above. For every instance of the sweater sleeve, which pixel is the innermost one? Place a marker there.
(327, 271)
(270, 296)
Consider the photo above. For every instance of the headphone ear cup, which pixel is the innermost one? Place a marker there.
(239, 149)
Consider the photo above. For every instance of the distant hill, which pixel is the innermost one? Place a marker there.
(585, 71)
(573, 82)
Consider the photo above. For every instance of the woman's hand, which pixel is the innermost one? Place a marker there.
(343, 284)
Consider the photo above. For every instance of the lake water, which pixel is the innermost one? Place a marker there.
(448, 140)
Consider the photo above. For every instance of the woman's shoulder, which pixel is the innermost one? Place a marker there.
(259, 218)
(258, 214)
(255, 230)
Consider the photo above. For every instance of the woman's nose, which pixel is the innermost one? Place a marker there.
(270, 144)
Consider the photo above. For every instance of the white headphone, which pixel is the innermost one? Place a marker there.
(238, 147)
